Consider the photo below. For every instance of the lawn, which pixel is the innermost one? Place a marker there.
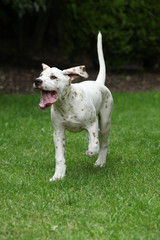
(120, 201)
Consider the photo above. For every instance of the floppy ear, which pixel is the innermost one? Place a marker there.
(76, 72)
(44, 66)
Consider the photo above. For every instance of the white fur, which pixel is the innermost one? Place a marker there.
(76, 109)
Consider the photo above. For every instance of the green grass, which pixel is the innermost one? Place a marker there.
(120, 201)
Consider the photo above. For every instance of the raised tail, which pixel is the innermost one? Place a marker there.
(102, 67)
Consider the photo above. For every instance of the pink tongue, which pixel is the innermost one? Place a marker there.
(47, 98)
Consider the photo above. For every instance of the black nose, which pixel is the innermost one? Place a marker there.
(37, 82)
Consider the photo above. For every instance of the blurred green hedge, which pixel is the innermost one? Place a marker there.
(130, 28)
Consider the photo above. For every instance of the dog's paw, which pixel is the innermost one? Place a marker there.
(57, 177)
(99, 163)
(91, 153)
(59, 174)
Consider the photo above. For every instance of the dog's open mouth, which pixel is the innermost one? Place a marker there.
(47, 99)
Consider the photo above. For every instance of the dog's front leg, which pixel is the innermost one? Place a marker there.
(59, 142)
(93, 147)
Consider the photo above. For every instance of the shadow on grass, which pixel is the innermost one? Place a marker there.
(84, 170)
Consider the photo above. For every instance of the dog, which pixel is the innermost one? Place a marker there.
(76, 107)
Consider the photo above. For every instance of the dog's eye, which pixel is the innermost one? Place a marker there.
(52, 77)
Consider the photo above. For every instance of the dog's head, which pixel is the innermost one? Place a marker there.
(54, 83)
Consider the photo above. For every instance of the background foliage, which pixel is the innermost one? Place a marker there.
(23, 6)
(130, 29)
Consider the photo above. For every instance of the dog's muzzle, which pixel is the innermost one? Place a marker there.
(37, 82)
(47, 97)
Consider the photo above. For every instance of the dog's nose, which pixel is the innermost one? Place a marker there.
(37, 82)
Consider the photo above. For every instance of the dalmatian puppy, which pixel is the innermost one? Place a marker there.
(77, 107)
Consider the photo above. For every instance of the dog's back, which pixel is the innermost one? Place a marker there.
(96, 91)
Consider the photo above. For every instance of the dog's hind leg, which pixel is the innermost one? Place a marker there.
(104, 125)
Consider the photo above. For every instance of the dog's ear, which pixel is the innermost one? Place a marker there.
(76, 72)
(44, 66)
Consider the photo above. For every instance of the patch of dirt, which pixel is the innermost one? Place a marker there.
(14, 80)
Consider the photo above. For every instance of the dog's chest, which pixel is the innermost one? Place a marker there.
(73, 117)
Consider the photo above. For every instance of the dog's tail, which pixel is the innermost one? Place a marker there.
(102, 67)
